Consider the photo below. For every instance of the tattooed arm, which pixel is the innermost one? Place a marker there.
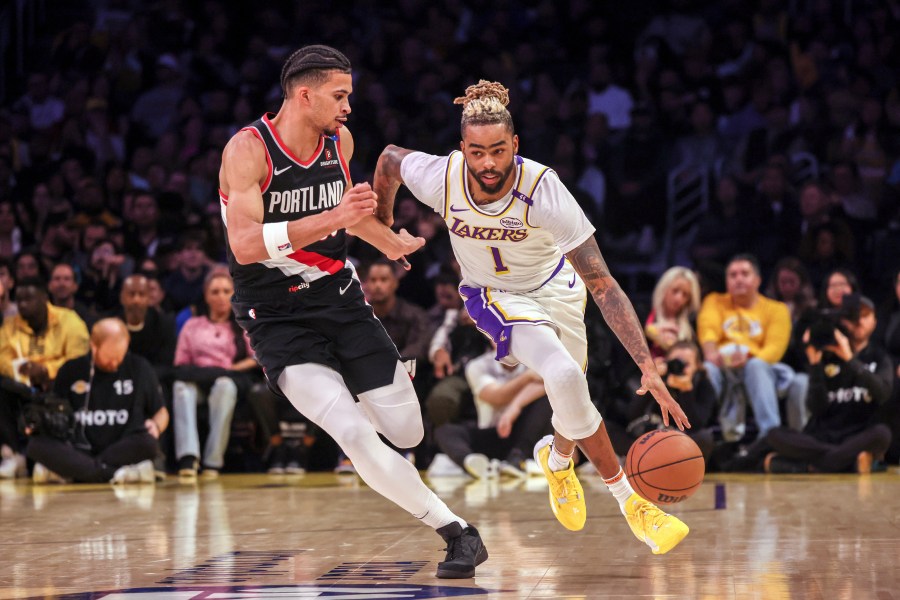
(620, 315)
(387, 181)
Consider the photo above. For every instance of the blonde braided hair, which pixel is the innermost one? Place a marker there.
(485, 104)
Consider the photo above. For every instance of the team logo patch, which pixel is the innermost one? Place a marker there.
(832, 370)
(283, 592)
(327, 154)
(80, 387)
(511, 223)
(285, 246)
(252, 313)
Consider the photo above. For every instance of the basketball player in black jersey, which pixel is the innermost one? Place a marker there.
(287, 200)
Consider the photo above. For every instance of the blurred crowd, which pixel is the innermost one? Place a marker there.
(110, 146)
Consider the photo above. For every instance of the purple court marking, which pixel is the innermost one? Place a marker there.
(720, 496)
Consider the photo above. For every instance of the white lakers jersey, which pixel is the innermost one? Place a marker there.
(515, 244)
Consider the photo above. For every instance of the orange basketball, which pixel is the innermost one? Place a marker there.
(665, 466)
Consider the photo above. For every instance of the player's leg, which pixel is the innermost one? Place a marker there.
(394, 410)
(576, 419)
(320, 393)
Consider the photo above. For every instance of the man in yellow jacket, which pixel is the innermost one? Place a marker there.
(33, 346)
(749, 333)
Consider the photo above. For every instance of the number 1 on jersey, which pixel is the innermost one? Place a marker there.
(499, 267)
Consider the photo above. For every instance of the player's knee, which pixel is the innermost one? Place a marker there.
(410, 433)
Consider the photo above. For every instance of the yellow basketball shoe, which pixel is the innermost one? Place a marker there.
(566, 494)
(659, 530)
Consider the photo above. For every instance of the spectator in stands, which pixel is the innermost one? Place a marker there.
(152, 332)
(211, 355)
(849, 379)
(184, 285)
(63, 287)
(447, 298)
(744, 334)
(119, 415)
(102, 278)
(513, 411)
(8, 307)
(29, 264)
(142, 235)
(676, 299)
(455, 343)
(33, 346)
(790, 284)
(44, 110)
(406, 324)
(774, 216)
(722, 230)
(10, 231)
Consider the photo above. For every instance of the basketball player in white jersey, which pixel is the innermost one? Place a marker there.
(286, 199)
(526, 251)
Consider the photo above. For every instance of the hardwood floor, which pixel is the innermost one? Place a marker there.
(318, 535)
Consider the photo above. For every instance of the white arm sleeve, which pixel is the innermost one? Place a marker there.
(556, 210)
(424, 175)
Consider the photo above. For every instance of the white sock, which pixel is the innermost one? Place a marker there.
(557, 460)
(437, 514)
(620, 488)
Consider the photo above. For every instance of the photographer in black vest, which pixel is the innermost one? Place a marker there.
(849, 378)
(118, 415)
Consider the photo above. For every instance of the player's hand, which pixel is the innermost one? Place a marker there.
(653, 383)
(406, 244)
(357, 203)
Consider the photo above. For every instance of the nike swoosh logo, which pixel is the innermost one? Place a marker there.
(345, 288)
(280, 171)
(454, 209)
(572, 283)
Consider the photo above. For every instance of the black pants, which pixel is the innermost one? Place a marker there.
(71, 463)
(829, 458)
(458, 440)
(10, 408)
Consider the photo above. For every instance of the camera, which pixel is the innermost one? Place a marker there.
(821, 331)
(43, 413)
(675, 366)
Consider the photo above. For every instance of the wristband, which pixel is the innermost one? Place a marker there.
(275, 236)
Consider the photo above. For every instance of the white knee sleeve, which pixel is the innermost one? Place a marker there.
(538, 348)
(394, 410)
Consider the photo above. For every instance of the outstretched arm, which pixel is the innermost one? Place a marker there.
(387, 181)
(620, 315)
(376, 229)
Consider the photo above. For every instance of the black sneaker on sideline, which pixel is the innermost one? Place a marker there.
(465, 551)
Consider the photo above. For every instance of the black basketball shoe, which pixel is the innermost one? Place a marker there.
(465, 551)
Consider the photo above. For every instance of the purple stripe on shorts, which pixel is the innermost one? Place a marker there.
(486, 320)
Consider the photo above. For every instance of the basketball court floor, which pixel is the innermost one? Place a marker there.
(325, 536)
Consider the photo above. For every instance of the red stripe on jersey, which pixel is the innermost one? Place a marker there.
(223, 196)
(344, 166)
(312, 259)
(287, 151)
(265, 185)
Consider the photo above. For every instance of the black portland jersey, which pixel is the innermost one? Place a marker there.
(295, 189)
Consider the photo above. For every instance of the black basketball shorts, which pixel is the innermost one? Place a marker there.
(327, 322)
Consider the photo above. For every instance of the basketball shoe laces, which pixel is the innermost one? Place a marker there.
(650, 519)
(563, 492)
